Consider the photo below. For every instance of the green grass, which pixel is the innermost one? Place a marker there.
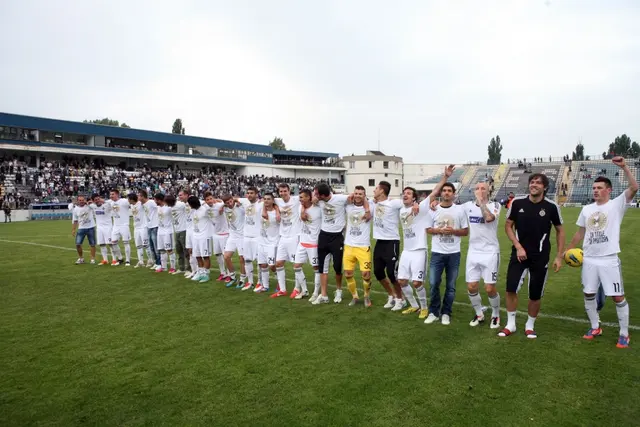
(90, 345)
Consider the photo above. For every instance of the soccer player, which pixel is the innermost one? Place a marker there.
(330, 240)
(151, 213)
(289, 207)
(251, 231)
(201, 241)
(104, 222)
(449, 226)
(189, 263)
(140, 231)
(121, 230)
(165, 232)
(235, 218)
(357, 247)
(220, 237)
(83, 226)
(310, 224)
(268, 242)
(528, 226)
(179, 219)
(483, 256)
(599, 226)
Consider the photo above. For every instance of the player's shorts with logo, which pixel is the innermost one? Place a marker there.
(234, 244)
(483, 266)
(536, 266)
(165, 242)
(120, 232)
(305, 252)
(287, 248)
(250, 248)
(219, 243)
(359, 255)
(267, 254)
(104, 235)
(605, 270)
(413, 265)
(201, 247)
(141, 237)
(385, 259)
(188, 239)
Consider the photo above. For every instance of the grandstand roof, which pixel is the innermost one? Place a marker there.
(303, 153)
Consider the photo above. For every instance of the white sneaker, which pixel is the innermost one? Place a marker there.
(475, 321)
(390, 302)
(399, 305)
(431, 318)
(196, 277)
(301, 295)
(153, 266)
(446, 319)
(93, 261)
(188, 274)
(80, 261)
(139, 264)
(177, 272)
(313, 298)
(321, 300)
(338, 298)
(126, 264)
(150, 263)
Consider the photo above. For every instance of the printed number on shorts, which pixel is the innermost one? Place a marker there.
(271, 260)
(616, 287)
(494, 276)
(367, 265)
(420, 275)
(314, 260)
(145, 242)
(167, 246)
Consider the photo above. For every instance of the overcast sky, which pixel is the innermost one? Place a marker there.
(437, 78)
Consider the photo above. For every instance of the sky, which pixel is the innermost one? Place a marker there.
(431, 81)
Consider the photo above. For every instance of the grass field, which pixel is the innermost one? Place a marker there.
(90, 345)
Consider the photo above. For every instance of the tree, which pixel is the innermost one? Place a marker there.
(277, 144)
(107, 122)
(620, 146)
(495, 151)
(579, 153)
(177, 127)
(635, 150)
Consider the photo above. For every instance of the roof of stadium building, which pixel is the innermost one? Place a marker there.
(55, 125)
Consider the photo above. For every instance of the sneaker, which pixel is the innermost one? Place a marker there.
(399, 305)
(623, 342)
(104, 262)
(204, 278)
(446, 319)
(80, 261)
(196, 276)
(321, 300)
(353, 302)
(247, 286)
(391, 301)
(188, 274)
(230, 284)
(278, 294)
(505, 332)
(531, 334)
(220, 278)
(495, 323)
(294, 294)
(115, 262)
(172, 271)
(302, 295)
(178, 272)
(592, 333)
(126, 264)
(239, 285)
(138, 265)
(423, 313)
(313, 298)
(150, 263)
(431, 318)
(158, 270)
(228, 279)
(476, 320)
(155, 267)
(93, 261)
(258, 288)
(338, 298)
(367, 302)
(410, 310)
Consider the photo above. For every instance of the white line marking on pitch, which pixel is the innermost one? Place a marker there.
(521, 313)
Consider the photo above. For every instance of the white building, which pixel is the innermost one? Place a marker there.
(368, 170)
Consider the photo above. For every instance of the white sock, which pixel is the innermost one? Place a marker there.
(622, 308)
(494, 301)
(243, 278)
(127, 251)
(264, 276)
(511, 321)
(531, 324)
(232, 274)
(223, 269)
(476, 302)
(407, 290)
(282, 282)
(163, 260)
(116, 252)
(193, 261)
(140, 253)
(105, 253)
(422, 297)
(316, 290)
(248, 266)
(172, 259)
(301, 281)
(591, 307)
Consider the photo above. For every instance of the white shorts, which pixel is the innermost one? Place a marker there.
(219, 243)
(120, 232)
(250, 249)
(141, 236)
(306, 254)
(104, 236)
(413, 265)
(482, 266)
(188, 240)
(201, 247)
(267, 254)
(165, 242)
(287, 248)
(605, 270)
(234, 244)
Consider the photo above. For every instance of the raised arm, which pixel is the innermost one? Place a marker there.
(632, 189)
(448, 171)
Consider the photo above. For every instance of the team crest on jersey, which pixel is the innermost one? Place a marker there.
(407, 219)
(542, 212)
(134, 209)
(160, 216)
(196, 220)
(231, 216)
(251, 210)
(380, 210)
(445, 221)
(597, 221)
(356, 218)
(115, 208)
(286, 213)
(329, 210)
(265, 224)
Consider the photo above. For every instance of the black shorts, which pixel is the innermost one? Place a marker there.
(330, 245)
(536, 265)
(385, 259)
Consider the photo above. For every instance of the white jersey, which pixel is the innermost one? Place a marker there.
(103, 215)
(270, 228)
(220, 224)
(289, 217)
(120, 212)
(252, 219)
(310, 228)
(165, 220)
(179, 216)
(386, 218)
(453, 216)
(84, 217)
(235, 219)
(414, 227)
(358, 230)
(333, 213)
(202, 225)
(151, 212)
(602, 226)
(188, 216)
(139, 218)
(483, 237)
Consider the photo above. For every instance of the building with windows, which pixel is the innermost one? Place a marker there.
(369, 169)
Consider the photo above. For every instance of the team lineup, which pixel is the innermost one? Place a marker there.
(180, 235)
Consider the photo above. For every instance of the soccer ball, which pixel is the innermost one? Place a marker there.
(573, 257)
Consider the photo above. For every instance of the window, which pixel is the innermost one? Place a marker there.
(396, 183)
(352, 165)
(386, 175)
(385, 165)
(370, 165)
(372, 183)
(396, 165)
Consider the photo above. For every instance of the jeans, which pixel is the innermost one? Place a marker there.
(448, 263)
(153, 244)
(181, 250)
(600, 298)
